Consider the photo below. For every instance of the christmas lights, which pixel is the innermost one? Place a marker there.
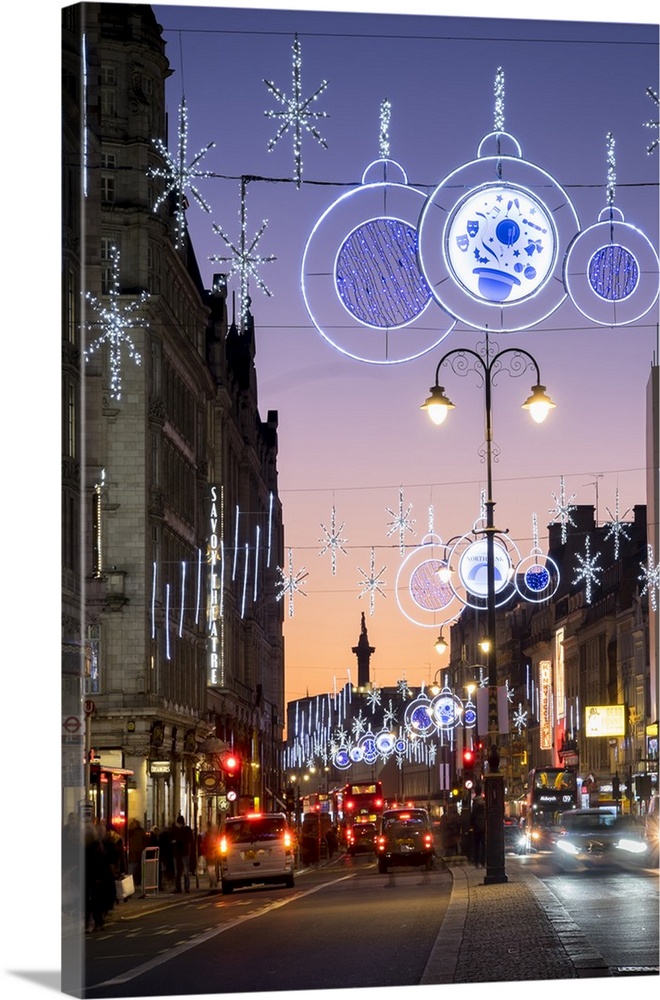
(290, 583)
(180, 176)
(372, 582)
(562, 510)
(333, 540)
(653, 94)
(296, 115)
(401, 522)
(650, 576)
(244, 261)
(115, 321)
(587, 570)
(617, 527)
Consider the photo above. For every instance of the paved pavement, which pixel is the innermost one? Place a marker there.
(502, 932)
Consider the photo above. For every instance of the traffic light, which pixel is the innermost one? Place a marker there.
(469, 760)
(231, 765)
(290, 799)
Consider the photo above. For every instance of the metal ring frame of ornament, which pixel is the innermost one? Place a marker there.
(536, 577)
(492, 237)
(360, 275)
(422, 597)
(611, 271)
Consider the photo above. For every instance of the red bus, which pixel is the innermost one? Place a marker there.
(358, 803)
(551, 791)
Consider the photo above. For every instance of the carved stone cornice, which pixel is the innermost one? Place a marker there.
(157, 411)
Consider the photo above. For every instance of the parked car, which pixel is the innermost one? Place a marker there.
(361, 837)
(593, 837)
(254, 848)
(405, 838)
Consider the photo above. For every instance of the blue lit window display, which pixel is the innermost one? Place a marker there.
(360, 276)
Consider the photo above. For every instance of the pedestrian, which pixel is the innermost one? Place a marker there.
(451, 831)
(183, 849)
(98, 880)
(210, 848)
(331, 841)
(478, 826)
(72, 857)
(165, 856)
(138, 839)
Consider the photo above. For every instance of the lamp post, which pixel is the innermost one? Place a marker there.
(487, 365)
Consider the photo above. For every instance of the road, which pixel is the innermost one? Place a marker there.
(344, 925)
(383, 927)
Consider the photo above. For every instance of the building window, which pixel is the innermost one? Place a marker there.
(70, 445)
(107, 246)
(108, 91)
(70, 325)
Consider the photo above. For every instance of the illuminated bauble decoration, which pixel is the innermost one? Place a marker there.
(342, 759)
(419, 717)
(360, 275)
(447, 709)
(470, 557)
(611, 271)
(369, 748)
(385, 742)
(491, 249)
(420, 593)
(537, 577)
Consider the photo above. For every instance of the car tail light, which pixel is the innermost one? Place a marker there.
(428, 839)
(223, 845)
(287, 840)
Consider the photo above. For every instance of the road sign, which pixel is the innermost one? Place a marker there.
(72, 724)
(90, 707)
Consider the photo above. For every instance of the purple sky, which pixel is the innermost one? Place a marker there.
(351, 433)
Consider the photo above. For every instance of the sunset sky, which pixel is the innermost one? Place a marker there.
(351, 434)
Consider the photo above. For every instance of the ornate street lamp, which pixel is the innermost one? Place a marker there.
(487, 365)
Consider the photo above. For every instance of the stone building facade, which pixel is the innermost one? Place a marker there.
(160, 461)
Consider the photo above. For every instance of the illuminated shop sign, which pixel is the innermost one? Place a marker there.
(215, 594)
(545, 704)
(605, 720)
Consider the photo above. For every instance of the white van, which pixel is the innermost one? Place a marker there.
(256, 847)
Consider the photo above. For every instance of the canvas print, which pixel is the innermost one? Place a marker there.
(360, 492)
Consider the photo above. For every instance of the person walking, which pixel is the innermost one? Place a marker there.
(478, 827)
(183, 849)
(138, 839)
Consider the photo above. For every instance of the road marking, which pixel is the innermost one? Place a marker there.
(179, 949)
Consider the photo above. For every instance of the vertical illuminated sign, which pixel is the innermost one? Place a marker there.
(215, 593)
(560, 690)
(545, 704)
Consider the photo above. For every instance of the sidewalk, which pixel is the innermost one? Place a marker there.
(508, 932)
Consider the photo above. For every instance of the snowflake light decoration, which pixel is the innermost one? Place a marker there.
(290, 583)
(359, 724)
(617, 528)
(498, 117)
(296, 114)
(115, 322)
(403, 687)
(389, 716)
(520, 718)
(562, 510)
(653, 94)
(401, 522)
(372, 582)
(588, 571)
(374, 698)
(244, 261)
(179, 175)
(650, 576)
(333, 540)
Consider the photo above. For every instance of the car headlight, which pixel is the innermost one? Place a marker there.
(567, 847)
(632, 846)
